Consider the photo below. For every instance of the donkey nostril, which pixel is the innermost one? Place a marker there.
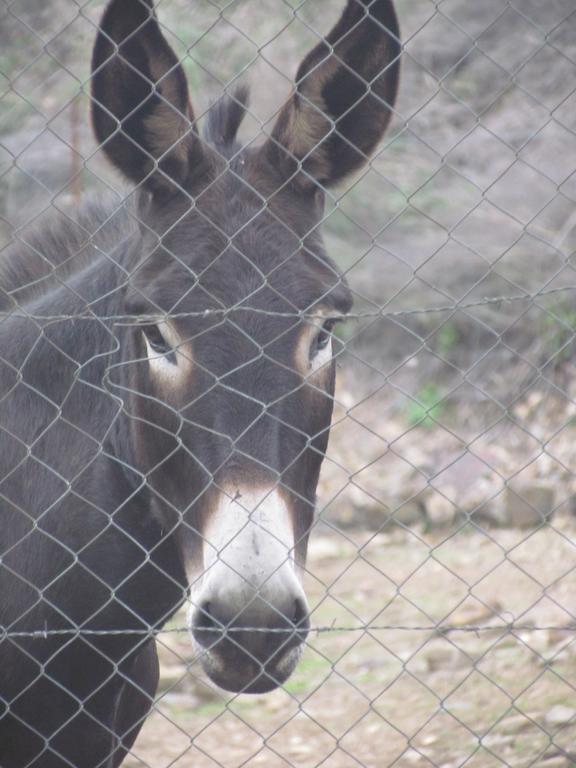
(204, 616)
(206, 626)
(300, 614)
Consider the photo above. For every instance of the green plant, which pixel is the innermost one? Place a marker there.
(561, 323)
(447, 338)
(426, 407)
(309, 673)
(211, 709)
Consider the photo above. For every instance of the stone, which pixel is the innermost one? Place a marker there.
(556, 761)
(409, 513)
(412, 757)
(515, 724)
(373, 517)
(176, 700)
(527, 506)
(353, 508)
(443, 656)
(441, 512)
(171, 677)
(476, 613)
(560, 715)
(328, 548)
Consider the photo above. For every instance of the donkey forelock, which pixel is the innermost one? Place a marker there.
(225, 117)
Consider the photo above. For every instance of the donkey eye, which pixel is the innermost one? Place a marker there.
(155, 339)
(323, 338)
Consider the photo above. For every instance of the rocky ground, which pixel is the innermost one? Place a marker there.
(440, 463)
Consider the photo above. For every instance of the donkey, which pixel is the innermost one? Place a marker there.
(166, 389)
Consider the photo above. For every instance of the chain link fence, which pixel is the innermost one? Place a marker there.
(441, 570)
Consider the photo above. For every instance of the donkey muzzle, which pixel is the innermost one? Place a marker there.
(249, 616)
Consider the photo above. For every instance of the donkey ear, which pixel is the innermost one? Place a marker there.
(140, 109)
(345, 90)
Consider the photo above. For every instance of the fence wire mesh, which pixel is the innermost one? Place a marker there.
(169, 324)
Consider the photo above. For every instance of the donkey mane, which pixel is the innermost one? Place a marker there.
(47, 253)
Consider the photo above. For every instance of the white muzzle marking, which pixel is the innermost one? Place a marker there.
(248, 551)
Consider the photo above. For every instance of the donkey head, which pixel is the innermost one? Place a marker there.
(231, 378)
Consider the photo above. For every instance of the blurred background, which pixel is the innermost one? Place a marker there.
(447, 500)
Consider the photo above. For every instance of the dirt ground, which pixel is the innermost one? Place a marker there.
(423, 690)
